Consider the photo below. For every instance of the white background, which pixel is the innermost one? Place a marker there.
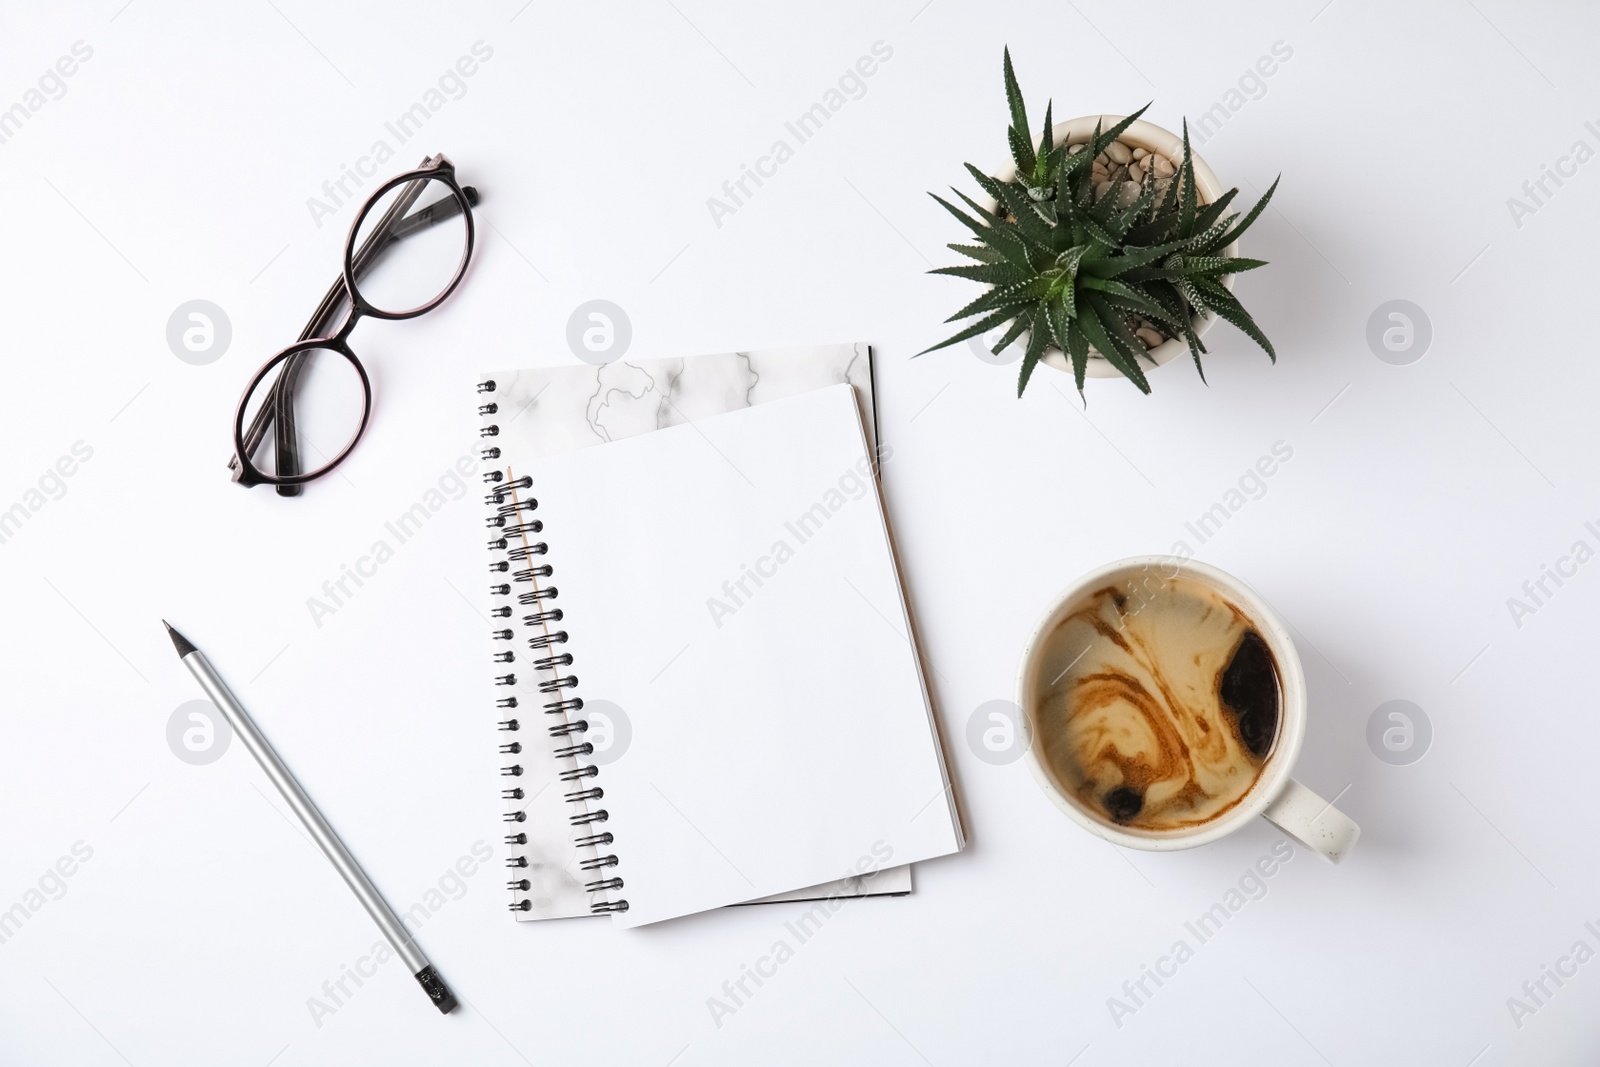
(177, 166)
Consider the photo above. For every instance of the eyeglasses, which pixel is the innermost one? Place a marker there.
(314, 396)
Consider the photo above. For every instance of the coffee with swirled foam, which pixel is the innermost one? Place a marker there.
(1157, 704)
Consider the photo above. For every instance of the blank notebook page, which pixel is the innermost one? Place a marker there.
(729, 584)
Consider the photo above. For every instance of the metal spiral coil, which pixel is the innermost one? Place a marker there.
(500, 492)
(511, 523)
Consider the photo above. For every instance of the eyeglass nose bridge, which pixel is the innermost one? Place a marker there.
(341, 337)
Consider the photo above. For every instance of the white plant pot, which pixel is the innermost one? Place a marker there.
(1151, 138)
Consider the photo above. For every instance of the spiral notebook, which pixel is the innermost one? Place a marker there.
(704, 666)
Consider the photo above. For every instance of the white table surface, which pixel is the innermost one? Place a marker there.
(176, 165)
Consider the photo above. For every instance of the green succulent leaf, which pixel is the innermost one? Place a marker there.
(1195, 297)
(1056, 316)
(1121, 127)
(1195, 348)
(1186, 205)
(1029, 222)
(1216, 266)
(979, 228)
(987, 273)
(1117, 326)
(1208, 214)
(981, 326)
(1019, 110)
(1112, 266)
(1227, 306)
(1006, 296)
(1092, 321)
(1018, 324)
(1115, 292)
(1171, 302)
(1098, 232)
(1047, 139)
(1021, 151)
(1076, 162)
(985, 182)
(1037, 340)
(1078, 350)
(1206, 242)
(982, 253)
(1254, 213)
(981, 211)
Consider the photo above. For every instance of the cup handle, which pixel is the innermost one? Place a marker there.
(1313, 822)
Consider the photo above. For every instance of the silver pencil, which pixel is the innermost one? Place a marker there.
(315, 824)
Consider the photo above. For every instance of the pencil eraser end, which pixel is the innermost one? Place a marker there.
(437, 991)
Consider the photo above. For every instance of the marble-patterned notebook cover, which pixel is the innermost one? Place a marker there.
(554, 409)
(549, 410)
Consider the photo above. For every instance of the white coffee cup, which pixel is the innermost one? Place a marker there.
(1294, 809)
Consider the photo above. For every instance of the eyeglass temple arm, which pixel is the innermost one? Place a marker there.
(387, 232)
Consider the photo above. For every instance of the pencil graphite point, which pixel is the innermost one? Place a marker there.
(179, 642)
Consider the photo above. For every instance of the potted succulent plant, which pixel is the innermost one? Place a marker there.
(1103, 248)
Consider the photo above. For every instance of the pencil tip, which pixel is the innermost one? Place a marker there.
(179, 642)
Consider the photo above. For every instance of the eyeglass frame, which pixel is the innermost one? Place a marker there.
(277, 407)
